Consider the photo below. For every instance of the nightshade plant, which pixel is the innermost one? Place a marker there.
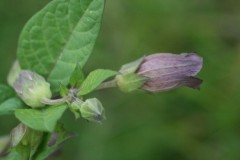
(47, 77)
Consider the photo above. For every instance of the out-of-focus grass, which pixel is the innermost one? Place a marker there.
(177, 125)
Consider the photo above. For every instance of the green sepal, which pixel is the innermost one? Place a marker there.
(130, 82)
(131, 67)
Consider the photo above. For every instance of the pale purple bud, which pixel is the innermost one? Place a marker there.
(32, 88)
(167, 71)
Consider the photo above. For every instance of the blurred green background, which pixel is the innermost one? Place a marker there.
(182, 124)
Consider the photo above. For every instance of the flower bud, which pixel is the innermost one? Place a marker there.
(92, 110)
(168, 71)
(161, 72)
(14, 72)
(75, 107)
(32, 88)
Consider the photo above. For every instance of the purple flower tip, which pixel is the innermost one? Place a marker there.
(167, 71)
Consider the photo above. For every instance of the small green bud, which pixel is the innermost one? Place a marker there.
(92, 110)
(32, 88)
(14, 73)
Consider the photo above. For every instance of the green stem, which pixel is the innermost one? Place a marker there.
(108, 84)
(53, 101)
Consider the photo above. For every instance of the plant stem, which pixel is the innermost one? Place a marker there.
(53, 101)
(108, 84)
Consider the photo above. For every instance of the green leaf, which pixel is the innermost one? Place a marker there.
(94, 79)
(10, 105)
(77, 77)
(58, 37)
(5, 92)
(63, 90)
(42, 120)
(51, 142)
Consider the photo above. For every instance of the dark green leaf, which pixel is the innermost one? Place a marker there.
(58, 37)
(94, 79)
(42, 120)
(10, 105)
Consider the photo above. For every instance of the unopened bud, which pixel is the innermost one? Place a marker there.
(168, 71)
(32, 88)
(162, 72)
(92, 110)
(75, 107)
(13, 74)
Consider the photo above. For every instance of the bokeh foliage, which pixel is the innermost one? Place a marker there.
(177, 125)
